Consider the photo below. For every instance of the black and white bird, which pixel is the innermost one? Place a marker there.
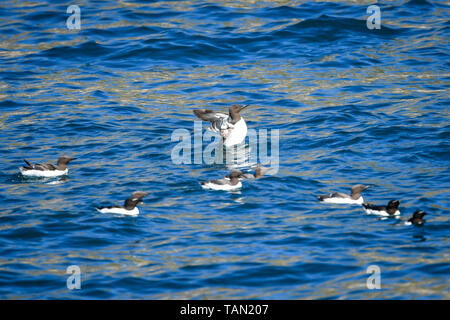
(224, 184)
(417, 218)
(46, 170)
(388, 211)
(355, 196)
(231, 126)
(130, 206)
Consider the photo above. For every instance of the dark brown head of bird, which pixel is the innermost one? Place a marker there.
(392, 206)
(63, 161)
(234, 176)
(356, 191)
(136, 198)
(239, 172)
(234, 111)
(417, 218)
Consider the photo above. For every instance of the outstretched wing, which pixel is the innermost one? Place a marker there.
(209, 115)
(219, 121)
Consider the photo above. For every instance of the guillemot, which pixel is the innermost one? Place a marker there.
(130, 206)
(232, 127)
(47, 169)
(224, 184)
(337, 197)
(388, 211)
(417, 218)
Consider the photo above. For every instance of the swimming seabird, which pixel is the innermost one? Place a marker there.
(224, 184)
(417, 218)
(390, 210)
(46, 170)
(130, 206)
(355, 196)
(232, 127)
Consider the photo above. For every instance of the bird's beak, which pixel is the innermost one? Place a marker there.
(366, 187)
(242, 108)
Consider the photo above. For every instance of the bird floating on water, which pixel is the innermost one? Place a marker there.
(224, 184)
(417, 218)
(130, 206)
(355, 196)
(46, 170)
(232, 127)
(388, 211)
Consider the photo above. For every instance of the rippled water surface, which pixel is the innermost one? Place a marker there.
(352, 105)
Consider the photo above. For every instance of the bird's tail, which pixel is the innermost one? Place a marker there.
(29, 165)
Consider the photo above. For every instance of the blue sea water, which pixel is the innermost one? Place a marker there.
(352, 105)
